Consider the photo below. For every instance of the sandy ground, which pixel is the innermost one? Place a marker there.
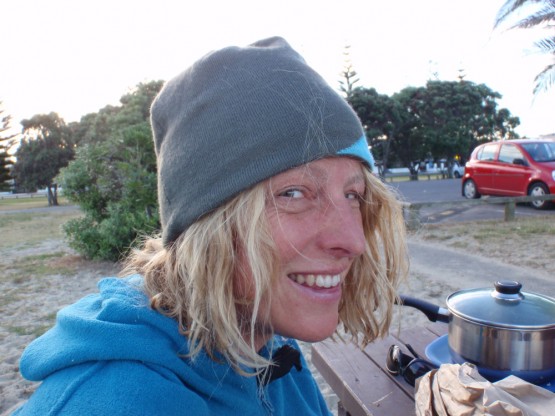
(28, 303)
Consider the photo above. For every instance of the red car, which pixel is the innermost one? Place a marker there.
(511, 168)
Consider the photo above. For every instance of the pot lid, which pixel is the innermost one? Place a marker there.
(504, 306)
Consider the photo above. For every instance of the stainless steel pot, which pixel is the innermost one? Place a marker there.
(503, 331)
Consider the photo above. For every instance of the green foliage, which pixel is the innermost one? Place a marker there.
(382, 118)
(113, 177)
(46, 147)
(442, 119)
(93, 126)
(110, 238)
(449, 118)
(5, 163)
(5, 144)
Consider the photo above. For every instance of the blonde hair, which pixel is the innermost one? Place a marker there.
(192, 280)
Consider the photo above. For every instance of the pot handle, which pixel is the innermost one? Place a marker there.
(433, 312)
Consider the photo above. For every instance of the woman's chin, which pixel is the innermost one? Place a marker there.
(315, 334)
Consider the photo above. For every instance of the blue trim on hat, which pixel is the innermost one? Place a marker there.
(360, 149)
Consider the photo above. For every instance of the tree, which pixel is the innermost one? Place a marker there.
(349, 75)
(4, 169)
(93, 127)
(46, 147)
(6, 141)
(541, 14)
(382, 119)
(449, 118)
(113, 177)
(409, 145)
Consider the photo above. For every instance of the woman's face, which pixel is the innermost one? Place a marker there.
(315, 220)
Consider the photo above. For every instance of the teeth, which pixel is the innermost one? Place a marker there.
(319, 280)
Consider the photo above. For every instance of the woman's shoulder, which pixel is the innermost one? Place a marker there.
(115, 388)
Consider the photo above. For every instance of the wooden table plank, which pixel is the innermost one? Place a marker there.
(361, 385)
(420, 337)
(359, 377)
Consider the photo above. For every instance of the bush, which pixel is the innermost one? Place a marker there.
(113, 178)
(112, 237)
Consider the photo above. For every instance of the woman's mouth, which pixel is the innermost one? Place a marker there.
(319, 280)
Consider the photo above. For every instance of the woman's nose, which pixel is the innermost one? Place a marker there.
(341, 231)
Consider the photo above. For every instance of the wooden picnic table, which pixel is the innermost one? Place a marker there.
(359, 377)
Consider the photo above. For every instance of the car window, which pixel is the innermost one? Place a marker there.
(509, 153)
(487, 152)
(540, 152)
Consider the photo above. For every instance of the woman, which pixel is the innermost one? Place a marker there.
(273, 229)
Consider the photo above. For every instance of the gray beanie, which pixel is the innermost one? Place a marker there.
(237, 117)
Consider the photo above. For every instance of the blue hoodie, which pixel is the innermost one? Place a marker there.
(110, 354)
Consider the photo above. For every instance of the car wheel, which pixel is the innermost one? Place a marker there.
(539, 189)
(456, 174)
(469, 190)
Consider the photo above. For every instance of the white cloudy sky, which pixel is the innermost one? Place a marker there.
(76, 56)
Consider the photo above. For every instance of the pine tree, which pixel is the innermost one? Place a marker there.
(6, 140)
(349, 75)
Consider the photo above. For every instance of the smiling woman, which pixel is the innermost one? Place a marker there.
(315, 222)
(274, 229)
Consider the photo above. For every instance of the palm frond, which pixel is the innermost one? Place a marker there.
(546, 45)
(508, 8)
(543, 16)
(545, 79)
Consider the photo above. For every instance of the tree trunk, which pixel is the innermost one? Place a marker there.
(385, 157)
(52, 195)
(413, 170)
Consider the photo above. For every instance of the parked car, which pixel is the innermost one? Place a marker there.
(458, 170)
(511, 168)
(441, 166)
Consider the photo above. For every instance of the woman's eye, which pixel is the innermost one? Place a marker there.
(292, 193)
(354, 195)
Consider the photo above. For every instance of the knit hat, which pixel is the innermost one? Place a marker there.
(239, 116)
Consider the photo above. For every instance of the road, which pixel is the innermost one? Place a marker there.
(449, 190)
(438, 270)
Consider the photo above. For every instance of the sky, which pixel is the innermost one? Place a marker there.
(75, 57)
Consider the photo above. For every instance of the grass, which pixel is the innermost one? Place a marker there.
(39, 201)
(39, 265)
(21, 228)
(33, 269)
(485, 231)
(31, 228)
(35, 331)
(527, 242)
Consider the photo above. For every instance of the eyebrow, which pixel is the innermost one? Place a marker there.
(355, 179)
(322, 174)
